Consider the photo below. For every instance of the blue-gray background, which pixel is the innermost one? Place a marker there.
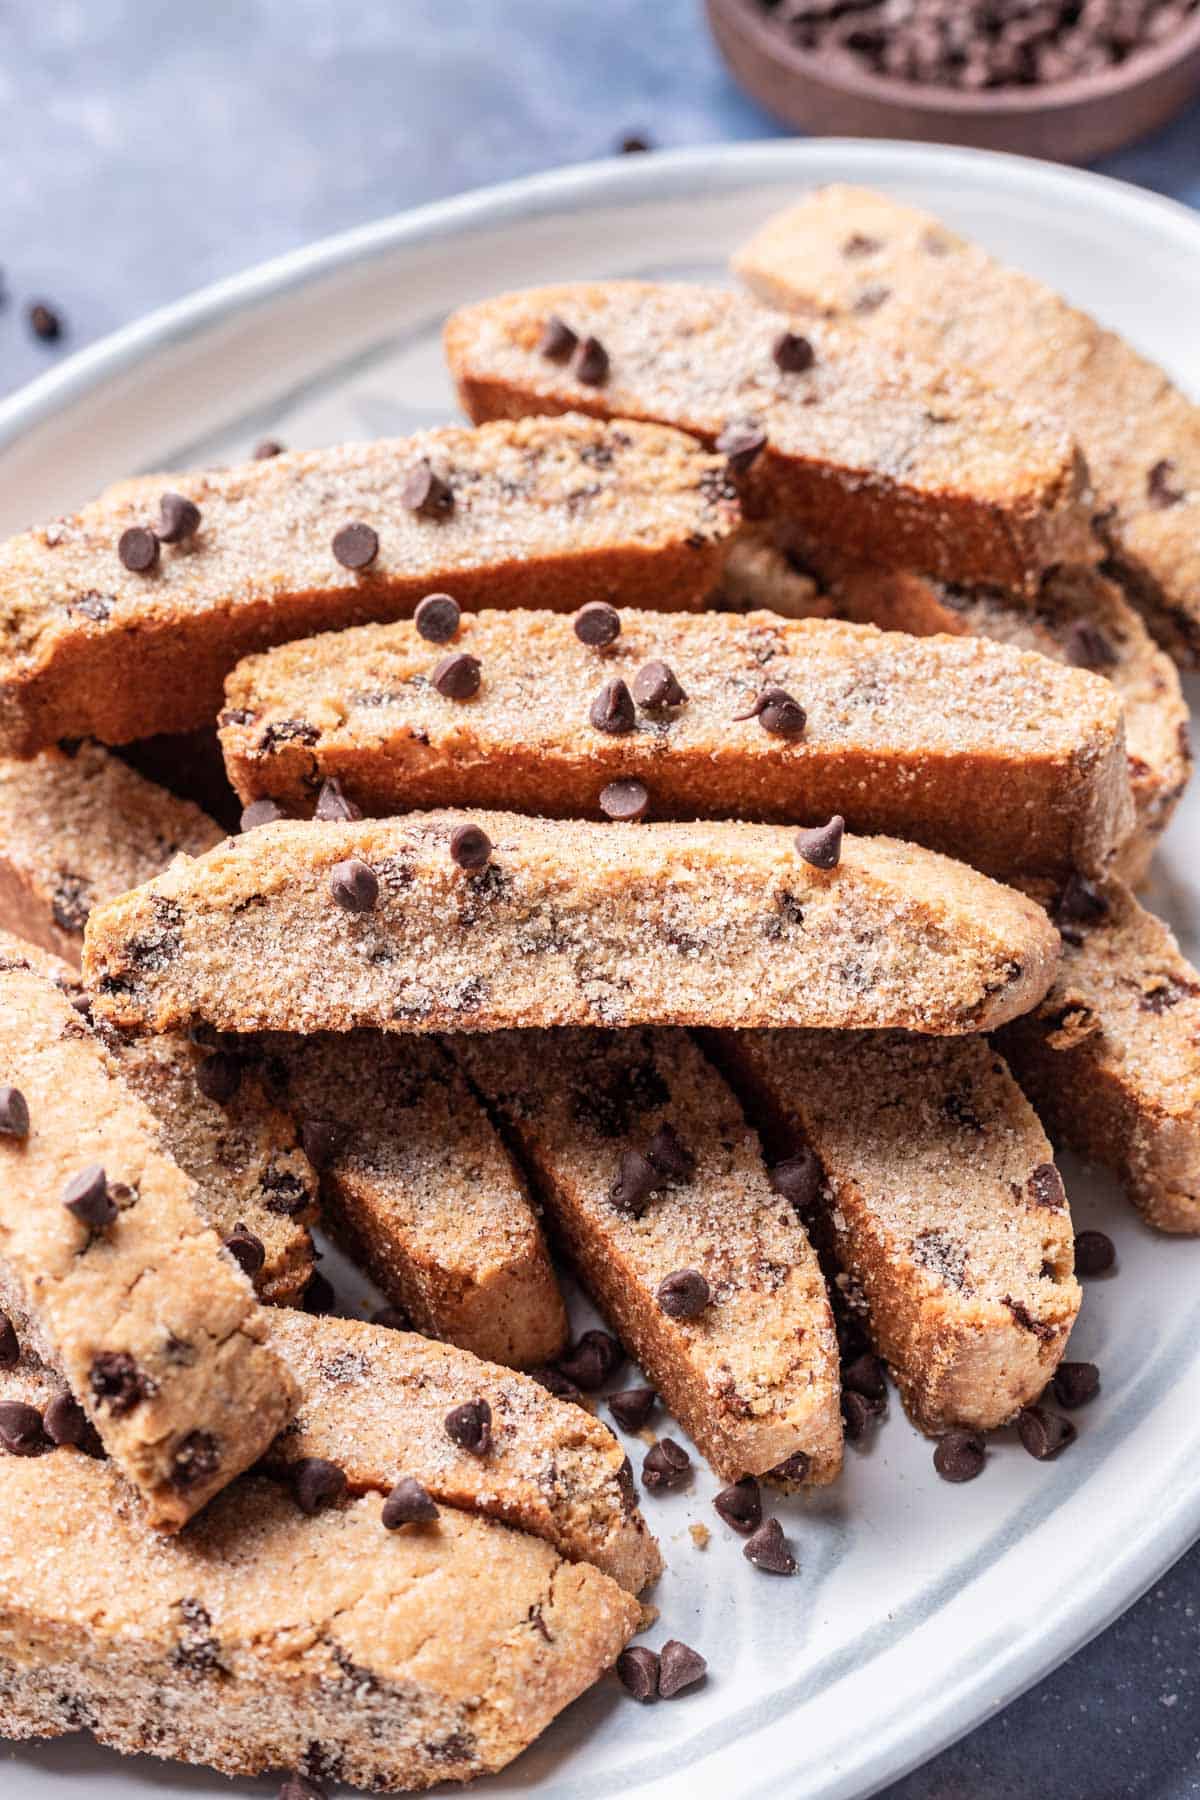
(149, 146)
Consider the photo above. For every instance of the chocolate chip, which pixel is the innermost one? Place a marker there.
(792, 354)
(1044, 1434)
(635, 143)
(14, 1113)
(857, 1415)
(778, 714)
(556, 1383)
(798, 1178)
(118, 1383)
(437, 618)
(332, 806)
(632, 1407)
(470, 1427)
(196, 1460)
(1075, 1383)
(302, 1787)
(590, 364)
(1088, 648)
(822, 846)
(319, 1297)
(10, 1349)
(859, 244)
(1081, 902)
(1160, 486)
(637, 1179)
(355, 545)
(470, 847)
(219, 1077)
(767, 1549)
(266, 448)
(637, 1671)
(557, 340)
(21, 1432)
(684, 1295)
(68, 1427)
(667, 1466)
(670, 1155)
(137, 548)
(1045, 1187)
(612, 709)
(1095, 1253)
(354, 886)
(86, 1195)
(409, 1503)
(259, 812)
(655, 686)
(795, 1467)
(321, 1140)
(679, 1667)
(392, 1318)
(624, 801)
(316, 1484)
(865, 1375)
(426, 493)
(740, 1506)
(44, 321)
(457, 677)
(959, 1456)
(592, 1361)
(742, 442)
(178, 519)
(248, 1252)
(597, 624)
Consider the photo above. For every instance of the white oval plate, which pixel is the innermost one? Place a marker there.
(920, 1608)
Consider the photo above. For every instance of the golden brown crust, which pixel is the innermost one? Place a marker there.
(568, 924)
(901, 462)
(988, 754)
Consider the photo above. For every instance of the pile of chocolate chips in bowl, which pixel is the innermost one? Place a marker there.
(980, 44)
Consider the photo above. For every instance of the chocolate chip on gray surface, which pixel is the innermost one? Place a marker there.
(632, 1407)
(248, 1252)
(409, 1503)
(1043, 1433)
(858, 1413)
(319, 1297)
(316, 1483)
(21, 1431)
(457, 676)
(635, 143)
(637, 1179)
(86, 1195)
(590, 363)
(740, 1505)
(470, 847)
(437, 618)
(655, 687)
(355, 545)
(667, 1466)
(679, 1667)
(10, 1349)
(1075, 1383)
(14, 1112)
(426, 494)
(260, 812)
(624, 800)
(741, 443)
(865, 1375)
(637, 1671)
(684, 1294)
(266, 448)
(557, 341)
(332, 806)
(798, 1178)
(792, 354)
(322, 1140)
(592, 1360)
(470, 1427)
(612, 709)
(45, 321)
(137, 548)
(667, 1153)
(354, 885)
(959, 1456)
(767, 1549)
(821, 847)
(777, 713)
(68, 1427)
(1095, 1253)
(597, 624)
(219, 1076)
(392, 1318)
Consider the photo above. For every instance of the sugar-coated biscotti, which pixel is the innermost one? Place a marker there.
(537, 513)
(419, 1189)
(902, 462)
(648, 1171)
(311, 927)
(1111, 1057)
(940, 1201)
(115, 1277)
(1011, 762)
(907, 284)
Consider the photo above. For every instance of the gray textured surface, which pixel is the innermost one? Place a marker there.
(149, 146)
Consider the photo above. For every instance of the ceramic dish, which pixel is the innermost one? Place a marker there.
(919, 1608)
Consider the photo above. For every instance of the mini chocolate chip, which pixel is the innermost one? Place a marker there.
(1095, 1253)
(178, 519)
(21, 1432)
(409, 1503)
(778, 714)
(637, 1671)
(354, 886)
(427, 494)
(556, 1383)
(655, 686)
(1081, 902)
(392, 1318)
(612, 709)
(68, 1426)
(865, 1376)
(792, 354)
(684, 1295)
(742, 442)
(793, 1468)
(332, 806)
(470, 847)
(1075, 1383)
(196, 1459)
(740, 1506)
(457, 677)
(118, 1383)
(302, 1787)
(597, 624)
(259, 812)
(767, 1549)
(248, 1252)
(1088, 648)
(632, 1407)
(266, 448)
(592, 1361)
(959, 1456)
(636, 1180)
(219, 1077)
(1044, 1434)
(14, 1113)
(86, 1195)
(590, 364)
(44, 321)
(137, 548)
(857, 1415)
(1160, 487)
(667, 1152)
(356, 545)
(470, 1427)
(624, 801)
(667, 1466)
(319, 1297)
(316, 1484)
(1045, 1187)
(321, 1140)
(557, 341)
(10, 1349)
(635, 143)
(679, 1667)
(821, 847)
(437, 618)
(798, 1178)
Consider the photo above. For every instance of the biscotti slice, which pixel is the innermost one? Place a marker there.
(77, 827)
(905, 463)
(1009, 761)
(325, 927)
(909, 285)
(940, 1201)
(422, 1193)
(538, 513)
(116, 1279)
(656, 1186)
(1111, 1057)
(375, 1402)
(263, 1639)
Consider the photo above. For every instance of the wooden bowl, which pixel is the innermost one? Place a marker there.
(1071, 121)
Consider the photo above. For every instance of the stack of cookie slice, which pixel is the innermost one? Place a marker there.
(687, 821)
